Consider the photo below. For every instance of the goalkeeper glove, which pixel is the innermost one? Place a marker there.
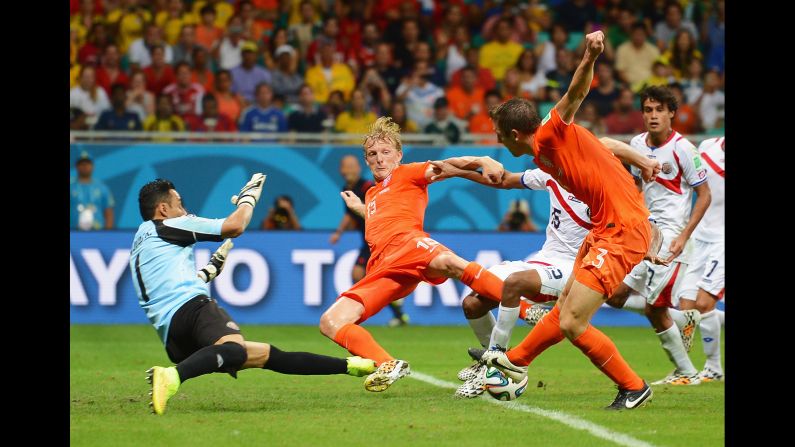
(216, 264)
(251, 192)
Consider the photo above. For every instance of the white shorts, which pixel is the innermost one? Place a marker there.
(554, 273)
(706, 270)
(658, 283)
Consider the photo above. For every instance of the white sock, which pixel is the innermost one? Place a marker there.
(678, 316)
(672, 344)
(722, 315)
(635, 303)
(506, 320)
(482, 328)
(710, 337)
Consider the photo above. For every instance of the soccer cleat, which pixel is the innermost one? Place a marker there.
(710, 375)
(402, 321)
(535, 313)
(165, 383)
(473, 387)
(359, 367)
(629, 400)
(471, 371)
(476, 353)
(386, 374)
(498, 359)
(692, 319)
(677, 378)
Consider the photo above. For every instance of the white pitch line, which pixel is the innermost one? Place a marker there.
(559, 416)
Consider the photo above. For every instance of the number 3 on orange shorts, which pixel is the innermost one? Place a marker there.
(600, 258)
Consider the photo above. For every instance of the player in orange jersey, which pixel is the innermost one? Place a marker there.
(621, 236)
(402, 253)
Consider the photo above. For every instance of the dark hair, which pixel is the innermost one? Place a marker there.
(675, 5)
(180, 65)
(260, 86)
(493, 92)
(515, 113)
(661, 94)
(117, 86)
(152, 194)
(638, 25)
(208, 97)
(207, 9)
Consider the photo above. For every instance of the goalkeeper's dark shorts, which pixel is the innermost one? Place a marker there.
(198, 323)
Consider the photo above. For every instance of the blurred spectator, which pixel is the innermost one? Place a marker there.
(211, 120)
(481, 123)
(200, 70)
(185, 47)
(710, 104)
(164, 119)
(333, 108)
(444, 122)
(453, 50)
(208, 34)
(351, 25)
(262, 116)
(664, 31)
(376, 92)
(398, 114)
(293, 8)
(635, 58)
(404, 48)
(510, 86)
(185, 95)
(424, 53)
(329, 35)
(329, 75)
(173, 20)
(681, 53)
(109, 72)
(518, 26)
(576, 15)
(139, 99)
(619, 32)
(98, 39)
(588, 117)
(89, 97)
(248, 75)
(390, 74)
(560, 78)
(223, 10)
(686, 120)
(692, 85)
(307, 28)
(77, 119)
(419, 95)
(531, 80)
(230, 104)
(91, 202)
(308, 117)
(624, 119)
(229, 51)
(661, 73)
(606, 91)
(85, 18)
(129, 20)
(654, 13)
(365, 51)
(357, 119)
(517, 218)
(118, 118)
(279, 38)
(159, 74)
(547, 52)
(467, 100)
(140, 53)
(255, 25)
(715, 31)
(281, 216)
(285, 78)
(485, 77)
(453, 18)
(500, 53)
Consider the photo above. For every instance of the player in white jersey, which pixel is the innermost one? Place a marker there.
(668, 199)
(703, 282)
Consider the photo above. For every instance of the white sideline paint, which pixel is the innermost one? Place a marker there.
(564, 418)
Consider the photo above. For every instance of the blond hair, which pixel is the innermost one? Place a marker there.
(383, 129)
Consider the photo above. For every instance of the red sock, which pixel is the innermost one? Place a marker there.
(604, 354)
(358, 341)
(482, 281)
(545, 334)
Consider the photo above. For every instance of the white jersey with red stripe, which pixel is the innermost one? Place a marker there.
(569, 217)
(711, 227)
(669, 197)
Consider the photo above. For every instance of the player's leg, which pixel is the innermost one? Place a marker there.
(339, 323)
(710, 327)
(267, 356)
(477, 311)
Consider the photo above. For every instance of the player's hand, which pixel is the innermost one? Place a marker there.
(216, 264)
(442, 170)
(649, 170)
(492, 170)
(351, 199)
(334, 238)
(595, 43)
(654, 246)
(251, 192)
(676, 247)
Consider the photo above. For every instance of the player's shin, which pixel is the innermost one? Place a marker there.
(482, 281)
(358, 341)
(710, 337)
(304, 363)
(543, 335)
(605, 356)
(227, 357)
(483, 327)
(673, 346)
(501, 334)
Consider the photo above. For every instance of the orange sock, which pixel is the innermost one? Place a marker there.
(358, 341)
(604, 354)
(523, 307)
(482, 281)
(545, 334)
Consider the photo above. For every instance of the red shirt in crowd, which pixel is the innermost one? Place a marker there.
(156, 83)
(222, 123)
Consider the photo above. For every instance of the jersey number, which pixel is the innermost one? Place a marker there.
(556, 217)
(600, 257)
(371, 208)
(714, 264)
(650, 277)
(556, 273)
(427, 243)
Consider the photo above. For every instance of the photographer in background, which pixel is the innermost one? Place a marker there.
(281, 216)
(518, 217)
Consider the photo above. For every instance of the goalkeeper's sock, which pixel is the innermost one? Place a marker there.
(397, 308)
(543, 335)
(482, 281)
(482, 328)
(304, 363)
(359, 342)
(227, 357)
(605, 356)
(506, 320)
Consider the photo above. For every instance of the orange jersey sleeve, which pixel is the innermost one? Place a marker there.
(585, 167)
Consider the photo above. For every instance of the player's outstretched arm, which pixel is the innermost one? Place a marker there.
(492, 169)
(216, 264)
(581, 81)
(353, 202)
(444, 169)
(649, 168)
(236, 223)
(699, 208)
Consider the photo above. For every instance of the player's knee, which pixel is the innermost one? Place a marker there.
(703, 306)
(327, 326)
(571, 326)
(234, 356)
(512, 288)
(473, 307)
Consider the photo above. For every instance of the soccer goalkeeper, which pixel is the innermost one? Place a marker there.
(199, 336)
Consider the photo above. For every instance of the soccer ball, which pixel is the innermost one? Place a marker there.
(502, 387)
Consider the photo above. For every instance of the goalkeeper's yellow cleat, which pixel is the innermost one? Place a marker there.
(359, 367)
(165, 383)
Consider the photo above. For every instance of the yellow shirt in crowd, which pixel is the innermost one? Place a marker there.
(223, 11)
(347, 123)
(499, 57)
(131, 25)
(173, 26)
(341, 79)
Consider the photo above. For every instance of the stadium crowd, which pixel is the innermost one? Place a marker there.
(335, 66)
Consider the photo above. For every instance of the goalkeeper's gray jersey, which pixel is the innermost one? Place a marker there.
(163, 267)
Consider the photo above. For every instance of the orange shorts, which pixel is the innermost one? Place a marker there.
(395, 273)
(605, 260)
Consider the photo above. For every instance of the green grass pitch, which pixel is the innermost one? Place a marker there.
(109, 396)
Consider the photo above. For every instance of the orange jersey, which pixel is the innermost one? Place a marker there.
(395, 206)
(586, 168)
